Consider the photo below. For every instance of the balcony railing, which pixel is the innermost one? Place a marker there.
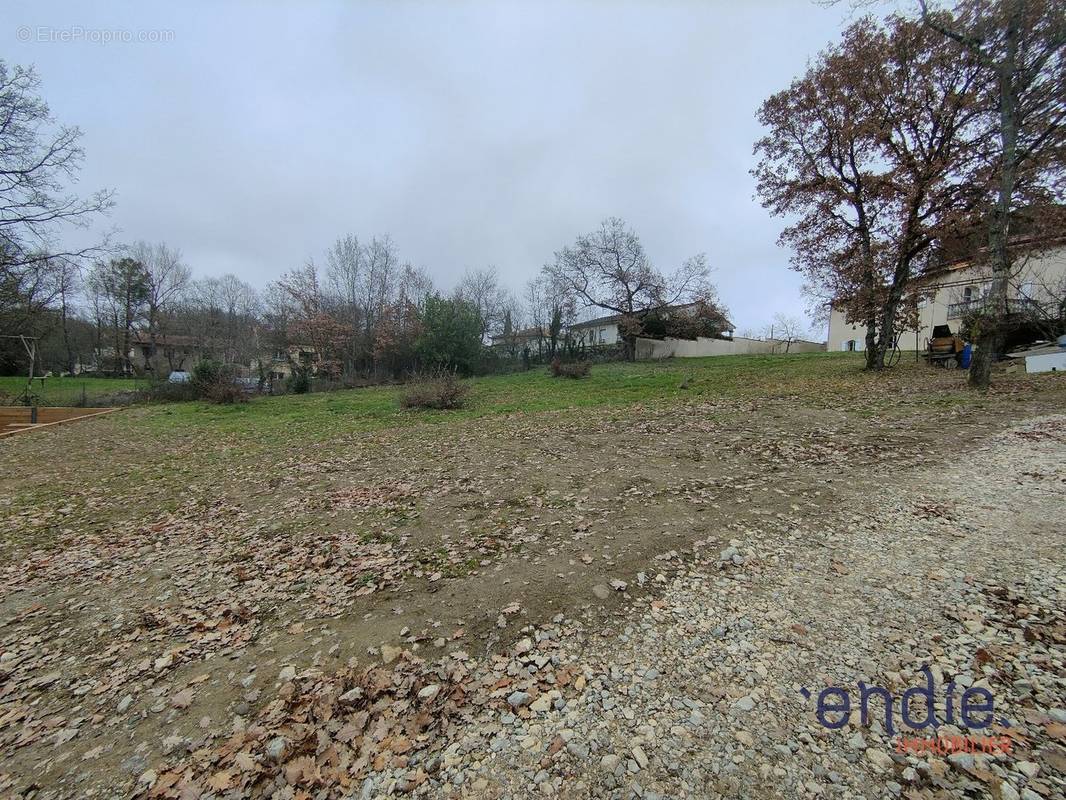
(1019, 305)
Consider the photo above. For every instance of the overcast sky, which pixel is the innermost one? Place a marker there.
(479, 133)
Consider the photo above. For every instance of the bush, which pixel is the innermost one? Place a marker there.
(299, 382)
(226, 393)
(443, 391)
(579, 369)
(167, 392)
(216, 382)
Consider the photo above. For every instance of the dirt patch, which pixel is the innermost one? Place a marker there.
(438, 538)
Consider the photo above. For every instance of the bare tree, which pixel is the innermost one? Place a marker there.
(69, 279)
(226, 310)
(608, 269)
(481, 289)
(414, 286)
(786, 329)
(379, 278)
(345, 270)
(168, 280)
(345, 264)
(120, 287)
(551, 310)
(38, 159)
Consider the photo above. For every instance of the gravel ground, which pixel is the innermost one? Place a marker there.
(701, 695)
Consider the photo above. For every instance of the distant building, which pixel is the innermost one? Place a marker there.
(597, 332)
(169, 352)
(517, 341)
(604, 331)
(282, 363)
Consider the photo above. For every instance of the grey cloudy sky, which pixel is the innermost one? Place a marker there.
(473, 133)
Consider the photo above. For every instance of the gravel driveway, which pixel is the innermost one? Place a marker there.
(701, 695)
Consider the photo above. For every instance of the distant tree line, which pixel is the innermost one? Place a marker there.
(364, 313)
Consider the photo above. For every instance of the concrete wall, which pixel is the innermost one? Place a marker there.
(1046, 362)
(649, 349)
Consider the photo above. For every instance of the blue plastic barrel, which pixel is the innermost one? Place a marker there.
(967, 353)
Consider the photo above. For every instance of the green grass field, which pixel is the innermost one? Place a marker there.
(155, 458)
(828, 379)
(834, 380)
(66, 391)
(323, 414)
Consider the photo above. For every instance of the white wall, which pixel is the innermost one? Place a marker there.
(1046, 362)
(698, 348)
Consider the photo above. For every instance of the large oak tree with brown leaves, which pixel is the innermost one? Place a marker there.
(869, 155)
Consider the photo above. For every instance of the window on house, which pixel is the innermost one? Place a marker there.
(603, 335)
(967, 294)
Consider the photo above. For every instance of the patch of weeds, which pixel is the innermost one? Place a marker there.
(441, 392)
(462, 568)
(370, 577)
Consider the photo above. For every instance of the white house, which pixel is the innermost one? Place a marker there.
(603, 331)
(597, 332)
(948, 293)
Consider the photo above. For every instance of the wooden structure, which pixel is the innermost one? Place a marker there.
(17, 419)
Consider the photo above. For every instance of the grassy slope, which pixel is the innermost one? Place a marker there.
(147, 460)
(822, 379)
(610, 385)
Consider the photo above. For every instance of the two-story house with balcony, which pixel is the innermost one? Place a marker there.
(948, 293)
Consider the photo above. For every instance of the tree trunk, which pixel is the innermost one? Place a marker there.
(871, 343)
(886, 335)
(994, 315)
(66, 336)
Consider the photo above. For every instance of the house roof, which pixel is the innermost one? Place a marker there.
(170, 340)
(590, 323)
(946, 267)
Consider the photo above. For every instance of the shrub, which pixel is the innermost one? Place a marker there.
(299, 382)
(578, 369)
(226, 393)
(216, 382)
(167, 392)
(442, 391)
